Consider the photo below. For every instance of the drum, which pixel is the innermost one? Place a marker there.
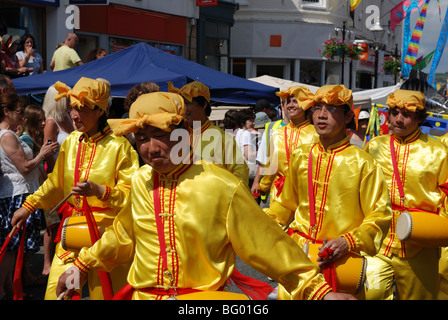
(422, 229)
(75, 232)
(211, 295)
(350, 270)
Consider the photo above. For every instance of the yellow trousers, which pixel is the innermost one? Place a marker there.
(58, 267)
(443, 275)
(415, 278)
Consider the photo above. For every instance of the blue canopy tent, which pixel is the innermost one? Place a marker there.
(143, 62)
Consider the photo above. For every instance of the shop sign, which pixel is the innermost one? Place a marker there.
(53, 3)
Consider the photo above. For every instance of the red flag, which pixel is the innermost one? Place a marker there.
(398, 13)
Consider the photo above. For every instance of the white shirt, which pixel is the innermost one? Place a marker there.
(32, 62)
(12, 182)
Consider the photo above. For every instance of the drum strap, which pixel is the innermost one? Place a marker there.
(400, 183)
(105, 280)
(280, 181)
(329, 271)
(311, 199)
(396, 172)
(286, 145)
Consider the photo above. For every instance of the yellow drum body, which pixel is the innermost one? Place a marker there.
(212, 295)
(75, 232)
(350, 270)
(422, 229)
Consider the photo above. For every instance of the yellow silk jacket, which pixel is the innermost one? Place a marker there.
(351, 197)
(208, 217)
(104, 159)
(211, 143)
(423, 166)
(283, 142)
(444, 139)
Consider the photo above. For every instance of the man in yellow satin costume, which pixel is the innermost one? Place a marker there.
(333, 191)
(187, 221)
(209, 141)
(443, 262)
(101, 170)
(297, 102)
(422, 165)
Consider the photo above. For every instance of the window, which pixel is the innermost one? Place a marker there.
(277, 71)
(217, 36)
(313, 4)
(239, 67)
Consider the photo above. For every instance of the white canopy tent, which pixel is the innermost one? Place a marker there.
(363, 98)
(281, 83)
(379, 95)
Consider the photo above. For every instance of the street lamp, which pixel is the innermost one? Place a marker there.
(378, 33)
(344, 31)
(396, 56)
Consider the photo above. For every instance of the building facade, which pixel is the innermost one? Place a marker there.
(248, 38)
(282, 38)
(186, 28)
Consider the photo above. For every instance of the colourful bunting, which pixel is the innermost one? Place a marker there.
(354, 4)
(439, 51)
(398, 13)
(423, 62)
(411, 55)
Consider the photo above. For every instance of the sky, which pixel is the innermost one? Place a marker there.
(431, 32)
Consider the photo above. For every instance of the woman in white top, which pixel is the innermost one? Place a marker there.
(19, 177)
(28, 56)
(58, 124)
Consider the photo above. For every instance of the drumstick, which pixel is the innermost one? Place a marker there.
(60, 203)
(12, 231)
(61, 296)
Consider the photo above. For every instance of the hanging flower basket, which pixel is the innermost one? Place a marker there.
(391, 66)
(334, 49)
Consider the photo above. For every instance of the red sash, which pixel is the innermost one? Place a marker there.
(127, 291)
(17, 282)
(256, 289)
